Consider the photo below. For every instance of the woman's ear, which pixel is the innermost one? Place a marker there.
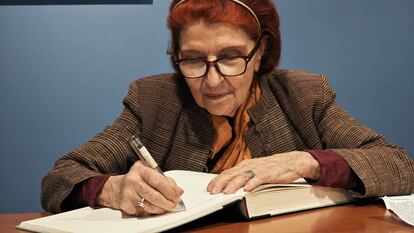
(259, 53)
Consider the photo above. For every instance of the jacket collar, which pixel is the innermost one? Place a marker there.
(258, 111)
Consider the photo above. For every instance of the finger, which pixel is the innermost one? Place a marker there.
(229, 172)
(161, 183)
(177, 188)
(130, 195)
(253, 183)
(219, 183)
(213, 181)
(139, 164)
(236, 183)
(128, 203)
(154, 197)
(140, 212)
(150, 208)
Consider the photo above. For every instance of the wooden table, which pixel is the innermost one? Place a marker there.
(371, 217)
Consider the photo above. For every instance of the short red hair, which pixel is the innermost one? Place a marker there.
(227, 11)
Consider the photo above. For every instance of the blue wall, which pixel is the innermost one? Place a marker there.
(65, 69)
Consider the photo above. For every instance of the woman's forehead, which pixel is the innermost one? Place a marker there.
(201, 36)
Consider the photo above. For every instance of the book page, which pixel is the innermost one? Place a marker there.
(194, 185)
(197, 200)
(402, 206)
(295, 184)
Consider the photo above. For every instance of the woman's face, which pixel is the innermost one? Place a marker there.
(217, 94)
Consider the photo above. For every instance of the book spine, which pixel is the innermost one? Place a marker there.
(231, 203)
(242, 206)
(259, 217)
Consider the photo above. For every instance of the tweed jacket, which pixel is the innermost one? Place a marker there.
(297, 111)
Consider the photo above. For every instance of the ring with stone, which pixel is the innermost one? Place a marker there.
(249, 173)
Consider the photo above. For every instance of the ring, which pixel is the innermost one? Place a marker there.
(250, 174)
(142, 204)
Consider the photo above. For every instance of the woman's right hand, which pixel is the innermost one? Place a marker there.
(123, 192)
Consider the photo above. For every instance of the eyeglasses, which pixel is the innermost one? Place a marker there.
(226, 66)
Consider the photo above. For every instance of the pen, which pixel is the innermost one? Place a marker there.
(144, 155)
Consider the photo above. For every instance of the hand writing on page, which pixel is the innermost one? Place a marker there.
(122, 192)
(278, 168)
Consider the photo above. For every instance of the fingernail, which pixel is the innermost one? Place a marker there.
(228, 191)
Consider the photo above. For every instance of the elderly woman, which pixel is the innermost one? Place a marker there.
(226, 110)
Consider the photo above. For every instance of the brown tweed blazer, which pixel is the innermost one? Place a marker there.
(297, 111)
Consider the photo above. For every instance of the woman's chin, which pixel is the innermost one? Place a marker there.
(219, 111)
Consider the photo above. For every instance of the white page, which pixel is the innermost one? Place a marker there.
(198, 202)
(402, 206)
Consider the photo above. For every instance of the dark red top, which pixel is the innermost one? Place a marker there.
(335, 172)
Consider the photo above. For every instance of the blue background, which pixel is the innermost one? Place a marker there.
(65, 69)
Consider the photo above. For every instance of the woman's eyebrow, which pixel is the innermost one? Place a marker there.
(189, 52)
(240, 49)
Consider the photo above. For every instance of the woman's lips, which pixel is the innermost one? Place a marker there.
(216, 96)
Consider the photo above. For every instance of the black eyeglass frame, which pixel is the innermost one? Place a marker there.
(246, 59)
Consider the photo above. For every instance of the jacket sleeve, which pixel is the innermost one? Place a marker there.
(384, 168)
(108, 152)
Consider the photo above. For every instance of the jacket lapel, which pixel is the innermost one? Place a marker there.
(270, 131)
(192, 140)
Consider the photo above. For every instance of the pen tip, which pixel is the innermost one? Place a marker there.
(179, 207)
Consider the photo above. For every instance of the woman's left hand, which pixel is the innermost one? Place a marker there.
(278, 168)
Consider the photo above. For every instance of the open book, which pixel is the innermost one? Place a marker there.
(266, 200)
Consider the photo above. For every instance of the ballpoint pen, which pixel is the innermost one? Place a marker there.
(144, 155)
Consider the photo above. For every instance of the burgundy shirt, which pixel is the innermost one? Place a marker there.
(335, 172)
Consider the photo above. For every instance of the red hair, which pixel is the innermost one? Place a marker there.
(227, 11)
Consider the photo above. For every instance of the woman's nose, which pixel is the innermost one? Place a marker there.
(214, 78)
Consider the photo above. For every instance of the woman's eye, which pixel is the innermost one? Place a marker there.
(193, 61)
(229, 58)
(231, 53)
(196, 57)
(231, 61)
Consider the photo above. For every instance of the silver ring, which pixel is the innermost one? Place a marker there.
(142, 204)
(250, 174)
